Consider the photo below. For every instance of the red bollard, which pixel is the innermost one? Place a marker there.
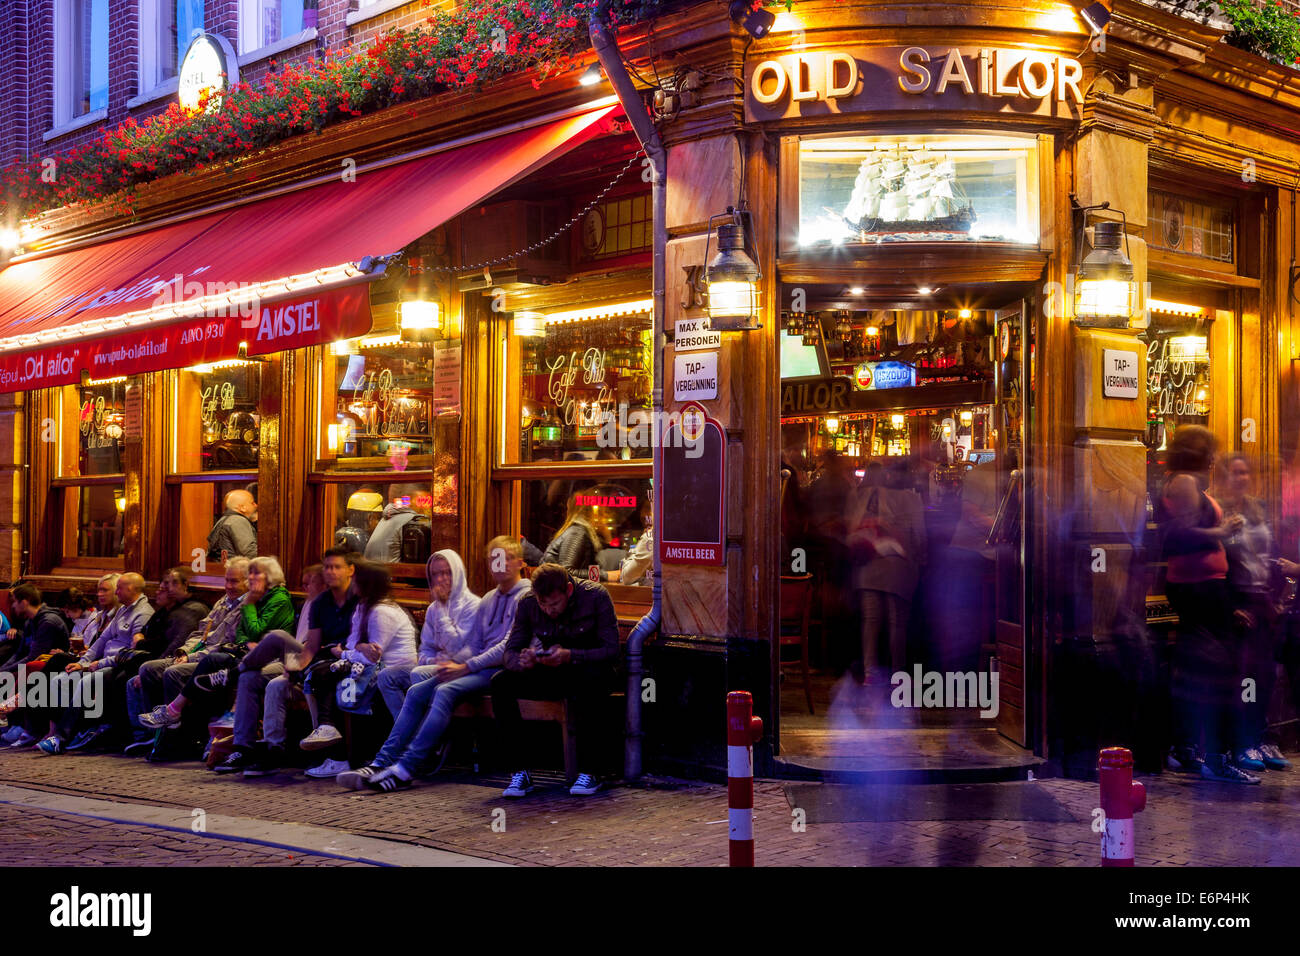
(1120, 799)
(743, 729)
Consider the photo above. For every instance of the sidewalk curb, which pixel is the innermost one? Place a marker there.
(317, 841)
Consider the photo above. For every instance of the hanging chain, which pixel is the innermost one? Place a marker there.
(475, 266)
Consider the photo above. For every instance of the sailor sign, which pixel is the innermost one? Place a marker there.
(864, 79)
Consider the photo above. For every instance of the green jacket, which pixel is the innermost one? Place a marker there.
(273, 612)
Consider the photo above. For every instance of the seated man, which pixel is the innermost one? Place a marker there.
(45, 631)
(445, 636)
(177, 614)
(159, 681)
(428, 706)
(234, 535)
(266, 675)
(267, 607)
(577, 630)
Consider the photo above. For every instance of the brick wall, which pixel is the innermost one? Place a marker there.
(27, 62)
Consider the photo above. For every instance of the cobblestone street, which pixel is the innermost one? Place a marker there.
(658, 822)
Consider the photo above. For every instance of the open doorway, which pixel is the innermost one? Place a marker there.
(902, 526)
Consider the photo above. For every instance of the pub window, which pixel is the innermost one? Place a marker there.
(921, 188)
(578, 385)
(1179, 382)
(216, 442)
(91, 479)
(1193, 227)
(388, 445)
(612, 514)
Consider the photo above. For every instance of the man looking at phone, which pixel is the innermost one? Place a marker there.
(562, 647)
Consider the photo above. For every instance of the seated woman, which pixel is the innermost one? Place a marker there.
(462, 672)
(578, 543)
(267, 607)
(382, 635)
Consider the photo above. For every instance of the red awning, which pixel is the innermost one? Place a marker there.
(157, 299)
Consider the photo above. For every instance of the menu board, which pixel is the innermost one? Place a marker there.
(446, 379)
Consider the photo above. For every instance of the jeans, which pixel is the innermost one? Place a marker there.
(248, 701)
(275, 709)
(581, 686)
(393, 683)
(887, 613)
(1206, 666)
(78, 700)
(424, 717)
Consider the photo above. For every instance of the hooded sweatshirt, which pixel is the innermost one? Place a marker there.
(448, 632)
(496, 618)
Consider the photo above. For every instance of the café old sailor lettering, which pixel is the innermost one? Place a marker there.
(563, 372)
(890, 77)
(1172, 384)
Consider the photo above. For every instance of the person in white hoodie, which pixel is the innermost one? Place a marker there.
(464, 671)
(383, 635)
(445, 636)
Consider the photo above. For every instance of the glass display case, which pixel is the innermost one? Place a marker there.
(918, 188)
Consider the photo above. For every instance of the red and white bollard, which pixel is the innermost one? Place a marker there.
(1120, 799)
(743, 730)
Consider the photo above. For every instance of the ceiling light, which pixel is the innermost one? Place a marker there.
(872, 330)
(925, 290)
(10, 240)
(857, 290)
(591, 76)
(964, 314)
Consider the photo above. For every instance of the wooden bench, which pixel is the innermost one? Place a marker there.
(552, 710)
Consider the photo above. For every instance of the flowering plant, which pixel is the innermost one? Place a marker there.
(479, 41)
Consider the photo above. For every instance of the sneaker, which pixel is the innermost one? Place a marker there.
(53, 744)
(1219, 767)
(521, 785)
(356, 779)
(12, 734)
(386, 781)
(584, 786)
(1249, 759)
(160, 718)
(269, 760)
(1184, 760)
(212, 681)
(88, 737)
(329, 769)
(239, 760)
(320, 738)
(137, 747)
(24, 739)
(1273, 758)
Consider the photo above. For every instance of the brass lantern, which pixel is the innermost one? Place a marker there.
(1105, 291)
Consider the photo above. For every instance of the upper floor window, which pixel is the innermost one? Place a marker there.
(81, 57)
(168, 27)
(264, 22)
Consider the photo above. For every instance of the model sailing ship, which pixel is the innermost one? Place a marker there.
(903, 191)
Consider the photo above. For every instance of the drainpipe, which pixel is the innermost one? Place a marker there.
(607, 51)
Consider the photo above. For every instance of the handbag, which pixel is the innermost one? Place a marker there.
(355, 693)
